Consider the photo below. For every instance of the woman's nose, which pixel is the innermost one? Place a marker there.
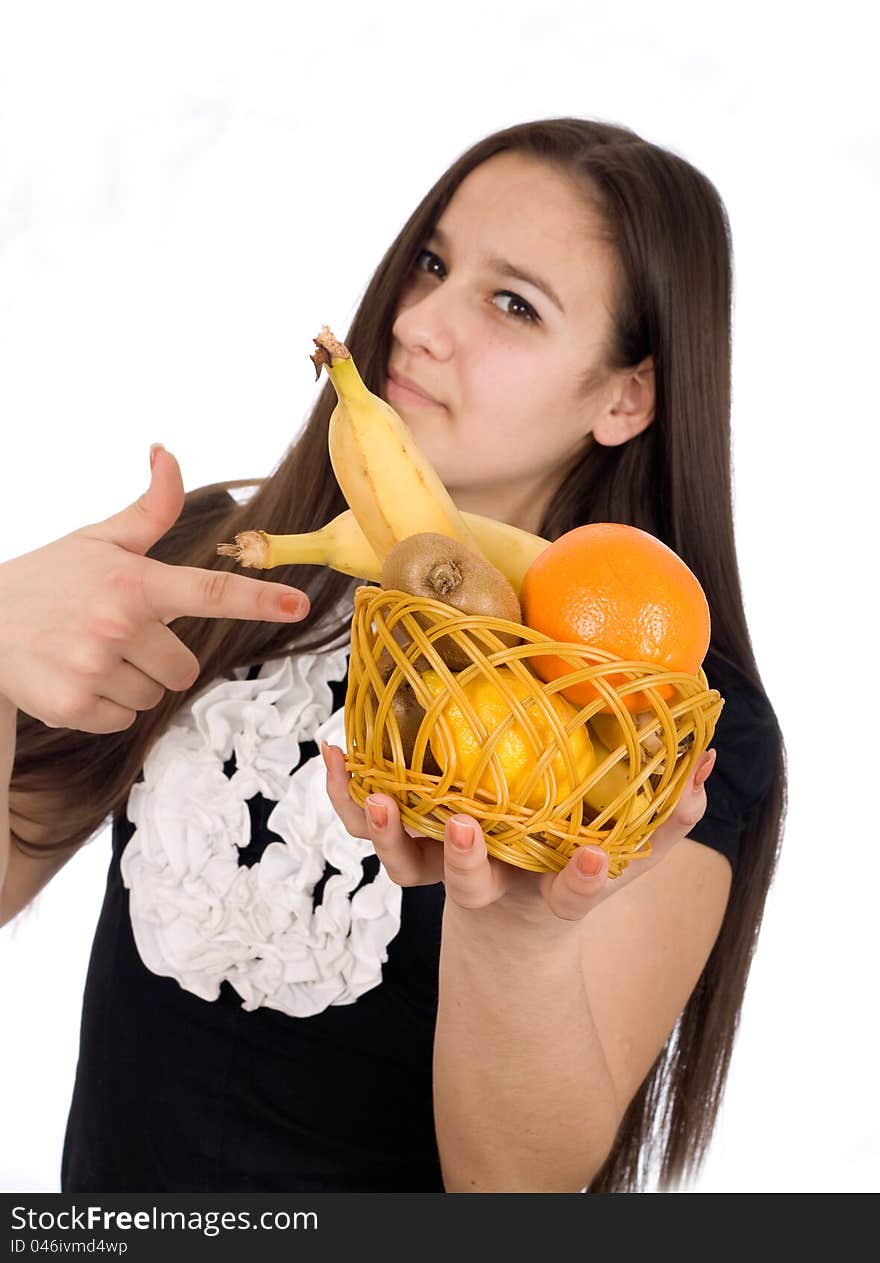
(424, 325)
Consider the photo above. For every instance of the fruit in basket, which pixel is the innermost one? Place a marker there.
(620, 589)
(614, 782)
(406, 709)
(409, 715)
(388, 482)
(442, 569)
(513, 749)
(607, 728)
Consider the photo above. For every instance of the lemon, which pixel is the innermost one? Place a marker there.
(514, 749)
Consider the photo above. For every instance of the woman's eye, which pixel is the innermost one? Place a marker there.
(518, 308)
(526, 312)
(429, 255)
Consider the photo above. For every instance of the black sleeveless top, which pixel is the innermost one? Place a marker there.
(321, 1081)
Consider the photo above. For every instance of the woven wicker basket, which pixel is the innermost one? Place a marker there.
(539, 839)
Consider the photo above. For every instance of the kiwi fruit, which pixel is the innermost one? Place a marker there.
(443, 569)
(409, 715)
(386, 663)
(407, 711)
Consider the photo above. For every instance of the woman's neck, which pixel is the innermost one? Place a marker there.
(517, 505)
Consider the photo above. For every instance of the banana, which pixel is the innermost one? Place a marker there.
(607, 728)
(609, 731)
(387, 481)
(614, 782)
(343, 546)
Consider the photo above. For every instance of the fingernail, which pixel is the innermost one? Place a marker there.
(294, 604)
(589, 862)
(705, 772)
(377, 812)
(154, 448)
(461, 835)
(325, 749)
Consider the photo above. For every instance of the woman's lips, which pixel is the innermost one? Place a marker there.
(408, 393)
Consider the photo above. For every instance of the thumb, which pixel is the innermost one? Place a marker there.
(138, 527)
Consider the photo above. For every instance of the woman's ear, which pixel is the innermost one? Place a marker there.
(630, 408)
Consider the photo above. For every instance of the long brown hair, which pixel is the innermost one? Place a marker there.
(672, 239)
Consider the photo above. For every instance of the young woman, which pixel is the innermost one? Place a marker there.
(269, 1007)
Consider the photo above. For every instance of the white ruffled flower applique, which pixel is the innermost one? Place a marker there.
(201, 917)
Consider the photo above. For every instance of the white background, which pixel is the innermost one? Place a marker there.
(190, 190)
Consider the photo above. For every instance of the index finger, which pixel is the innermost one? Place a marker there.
(187, 591)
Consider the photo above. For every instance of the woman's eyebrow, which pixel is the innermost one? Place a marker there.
(505, 268)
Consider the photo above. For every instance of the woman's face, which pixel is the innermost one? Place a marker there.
(503, 360)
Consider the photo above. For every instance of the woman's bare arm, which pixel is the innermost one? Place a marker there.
(544, 1038)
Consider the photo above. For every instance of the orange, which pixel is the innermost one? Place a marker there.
(620, 589)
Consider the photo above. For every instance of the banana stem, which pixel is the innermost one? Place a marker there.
(329, 349)
(251, 548)
(326, 547)
(335, 356)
